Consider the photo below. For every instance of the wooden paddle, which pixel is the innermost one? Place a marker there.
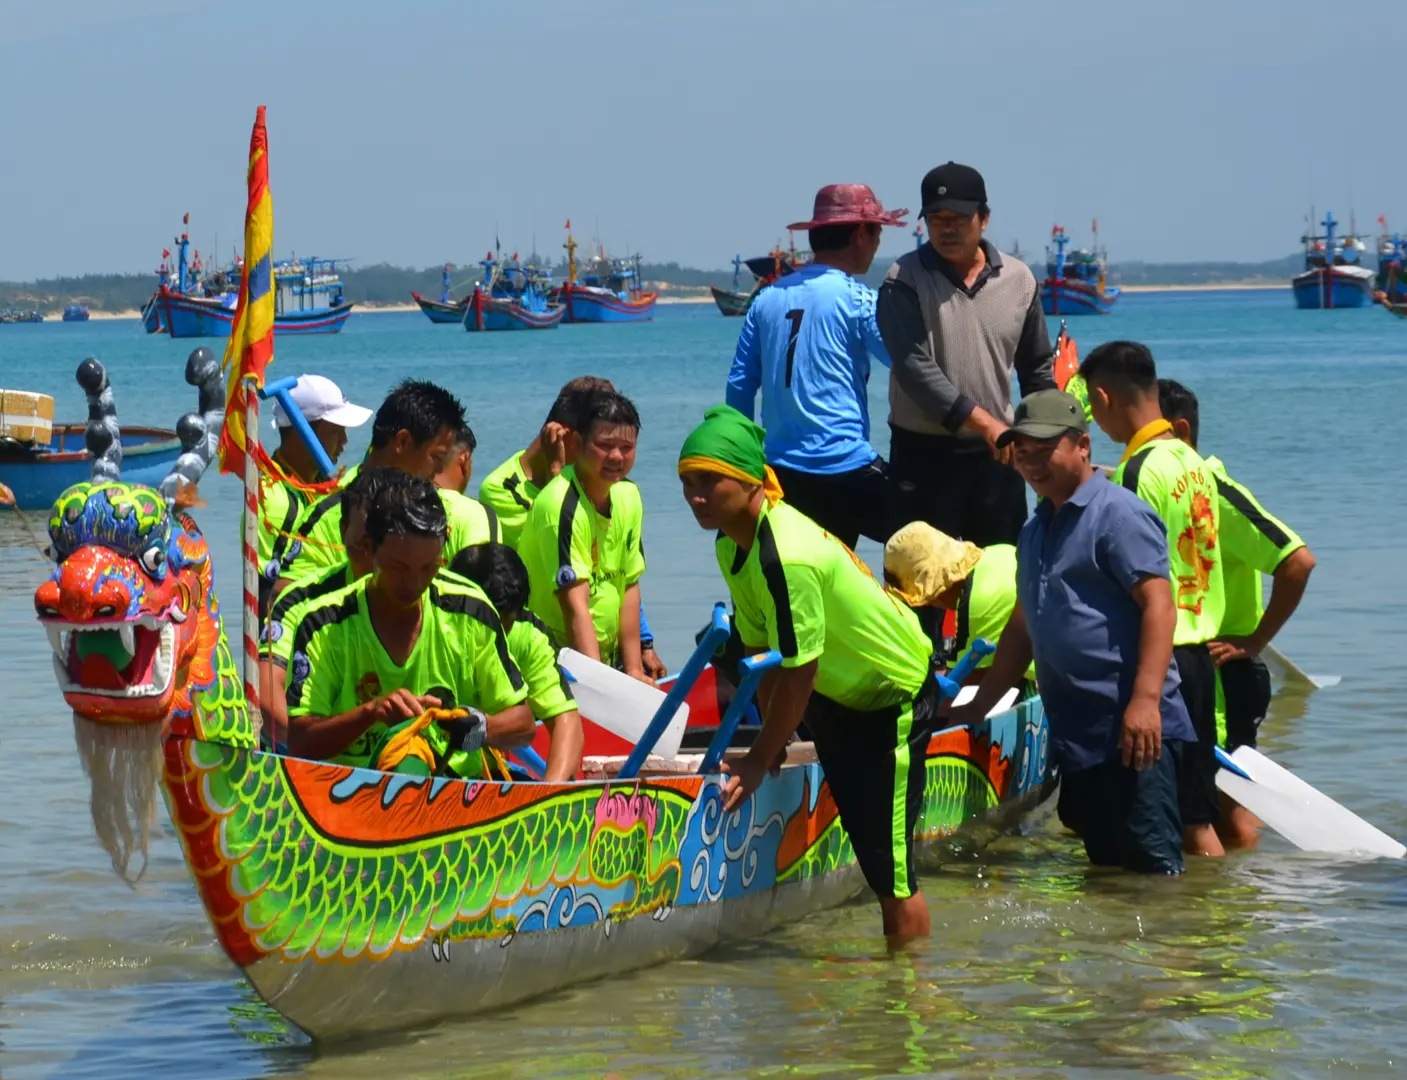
(1291, 674)
(1302, 814)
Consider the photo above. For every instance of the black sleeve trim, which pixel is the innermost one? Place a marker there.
(460, 603)
(494, 533)
(1246, 507)
(772, 572)
(285, 532)
(510, 485)
(964, 615)
(329, 583)
(313, 621)
(1132, 469)
(565, 520)
(321, 510)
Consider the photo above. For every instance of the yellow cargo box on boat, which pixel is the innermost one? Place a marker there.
(26, 417)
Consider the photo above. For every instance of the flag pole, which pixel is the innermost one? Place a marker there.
(251, 561)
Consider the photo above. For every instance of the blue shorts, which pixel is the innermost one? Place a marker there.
(1127, 818)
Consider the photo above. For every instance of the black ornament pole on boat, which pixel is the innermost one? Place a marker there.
(199, 432)
(102, 438)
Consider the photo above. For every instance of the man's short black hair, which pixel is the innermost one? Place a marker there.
(406, 505)
(1180, 403)
(464, 439)
(605, 407)
(498, 570)
(831, 237)
(419, 407)
(570, 398)
(364, 487)
(1121, 366)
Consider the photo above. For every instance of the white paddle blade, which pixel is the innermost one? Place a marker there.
(967, 693)
(1302, 814)
(1287, 672)
(622, 705)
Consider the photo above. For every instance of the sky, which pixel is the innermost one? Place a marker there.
(687, 132)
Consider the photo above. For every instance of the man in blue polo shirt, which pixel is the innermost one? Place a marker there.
(1095, 608)
(806, 343)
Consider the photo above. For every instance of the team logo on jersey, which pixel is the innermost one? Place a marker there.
(1195, 545)
(566, 577)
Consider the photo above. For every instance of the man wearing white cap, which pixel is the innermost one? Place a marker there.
(329, 414)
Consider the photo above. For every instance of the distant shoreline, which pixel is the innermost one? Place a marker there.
(1205, 287)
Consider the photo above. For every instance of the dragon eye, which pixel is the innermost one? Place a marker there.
(153, 559)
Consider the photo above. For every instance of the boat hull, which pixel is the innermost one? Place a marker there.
(1064, 297)
(441, 313)
(358, 901)
(38, 480)
(585, 305)
(1332, 287)
(730, 303)
(192, 317)
(493, 313)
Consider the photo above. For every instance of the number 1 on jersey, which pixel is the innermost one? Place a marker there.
(795, 316)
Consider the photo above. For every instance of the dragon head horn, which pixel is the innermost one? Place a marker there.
(102, 437)
(199, 431)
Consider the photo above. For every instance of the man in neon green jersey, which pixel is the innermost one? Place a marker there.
(855, 662)
(928, 568)
(400, 641)
(497, 569)
(582, 542)
(1253, 542)
(1173, 479)
(415, 429)
(282, 504)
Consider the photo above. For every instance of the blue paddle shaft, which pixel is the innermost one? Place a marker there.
(951, 684)
(281, 390)
(1228, 763)
(532, 760)
(754, 667)
(713, 638)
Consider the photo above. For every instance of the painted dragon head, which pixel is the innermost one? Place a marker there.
(129, 608)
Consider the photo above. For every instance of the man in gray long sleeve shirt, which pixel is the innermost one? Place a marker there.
(957, 317)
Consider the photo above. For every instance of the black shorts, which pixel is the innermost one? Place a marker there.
(1128, 818)
(1245, 692)
(1201, 805)
(876, 765)
(955, 485)
(847, 505)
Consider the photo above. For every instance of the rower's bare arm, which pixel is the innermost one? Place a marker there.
(512, 728)
(1287, 588)
(564, 753)
(1009, 664)
(274, 704)
(782, 697)
(576, 614)
(630, 656)
(323, 737)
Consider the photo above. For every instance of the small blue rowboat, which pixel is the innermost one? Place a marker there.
(38, 476)
(527, 312)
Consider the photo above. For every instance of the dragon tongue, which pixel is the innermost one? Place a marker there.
(97, 672)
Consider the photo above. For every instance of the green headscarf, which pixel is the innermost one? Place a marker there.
(730, 444)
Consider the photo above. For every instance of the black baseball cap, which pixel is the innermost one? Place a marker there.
(1046, 414)
(959, 188)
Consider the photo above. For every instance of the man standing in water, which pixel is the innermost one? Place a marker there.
(806, 342)
(855, 662)
(958, 317)
(1095, 610)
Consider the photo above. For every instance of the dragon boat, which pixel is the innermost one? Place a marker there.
(357, 901)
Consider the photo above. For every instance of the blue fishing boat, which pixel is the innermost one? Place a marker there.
(14, 315)
(193, 301)
(609, 289)
(1333, 276)
(511, 297)
(75, 313)
(1391, 283)
(37, 475)
(1075, 284)
(445, 310)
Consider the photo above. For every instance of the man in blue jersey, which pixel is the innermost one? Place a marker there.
(806, 343)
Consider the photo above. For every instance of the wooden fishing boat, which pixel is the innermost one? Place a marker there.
(37, 475)
(1075, 284)
(355, 900)
(445, 310)
(511, 297)
(1332, 277)
(732, 301)
(609, 289)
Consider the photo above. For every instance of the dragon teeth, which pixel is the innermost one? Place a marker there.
(128, 633)
(58, 641)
